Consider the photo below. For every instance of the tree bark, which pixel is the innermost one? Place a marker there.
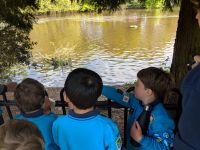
(187, 42)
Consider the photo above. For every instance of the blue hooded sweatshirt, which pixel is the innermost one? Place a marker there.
(160, 134)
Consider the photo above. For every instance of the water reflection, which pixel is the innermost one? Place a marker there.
(105, 44)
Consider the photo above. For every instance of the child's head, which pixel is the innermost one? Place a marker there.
(83, 87)
(30, 95)
(20, 135)
(152, 84)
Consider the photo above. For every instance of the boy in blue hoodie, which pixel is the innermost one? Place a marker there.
(83, 128)
(30, 96)
(150, 91)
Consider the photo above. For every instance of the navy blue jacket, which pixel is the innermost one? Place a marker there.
(188, 136)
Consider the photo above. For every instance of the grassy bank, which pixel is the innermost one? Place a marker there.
(49, 7)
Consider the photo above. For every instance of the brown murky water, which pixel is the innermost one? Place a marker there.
(116, 46)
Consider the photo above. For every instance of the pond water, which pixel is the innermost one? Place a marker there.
(116, 46)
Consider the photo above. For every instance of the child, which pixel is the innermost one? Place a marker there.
(20, 135)
(150, 90)
(84, 128)
(30, 97)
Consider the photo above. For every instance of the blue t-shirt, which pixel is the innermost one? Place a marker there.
(89, 131)
(44, 123)
(160, 132)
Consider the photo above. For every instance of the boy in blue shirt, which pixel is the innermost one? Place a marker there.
(83, 128)
(30, 97)
(150, 90)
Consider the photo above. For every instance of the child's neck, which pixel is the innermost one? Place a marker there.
(148, 100)
(30, 112)
(82, 111)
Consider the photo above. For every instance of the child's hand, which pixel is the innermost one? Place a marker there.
(197, 60)
(136, 132)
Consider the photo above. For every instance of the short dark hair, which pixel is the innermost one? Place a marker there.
(30, 95)
(20, 134)
(83, 87)
(157, 80)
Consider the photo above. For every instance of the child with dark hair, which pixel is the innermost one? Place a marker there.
(83, 128)
(151, 88)
(20, 135)
(30, 96)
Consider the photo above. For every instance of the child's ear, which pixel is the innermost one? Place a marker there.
(149, 92)
(66, 99)
(47, 105)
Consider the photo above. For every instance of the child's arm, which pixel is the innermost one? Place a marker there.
(162, 139)
(127, 100)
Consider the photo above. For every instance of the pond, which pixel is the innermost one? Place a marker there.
(114, 45)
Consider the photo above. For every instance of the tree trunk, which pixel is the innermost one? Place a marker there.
(187, 43)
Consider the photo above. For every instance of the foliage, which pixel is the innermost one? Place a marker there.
(15, 24)
(82, 5)
(13, 12)
(153, 3)
(100, 5)
(60, 58)
(87, 7)
(135, 4)
(57, 5)
(15, 47)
